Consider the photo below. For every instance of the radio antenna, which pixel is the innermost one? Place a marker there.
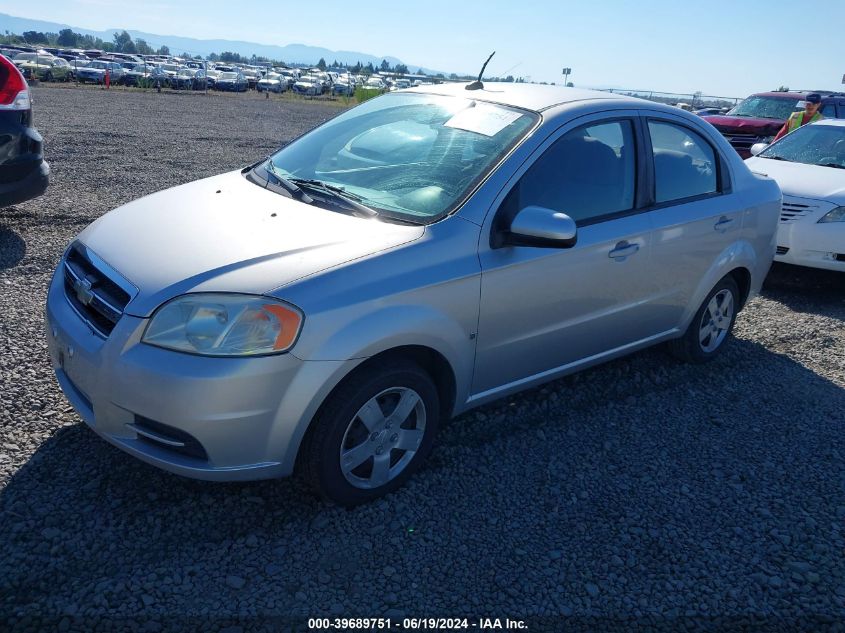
(477, 85)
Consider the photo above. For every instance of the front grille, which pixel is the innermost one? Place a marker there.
(791, 211)
(167, 437)
(98, 299)
(742, 141)
(782, 250)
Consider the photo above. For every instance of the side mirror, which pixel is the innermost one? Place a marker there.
(757, 148)
(543, 228)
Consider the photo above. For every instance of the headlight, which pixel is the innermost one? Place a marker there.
(837, 215)
(213, 324)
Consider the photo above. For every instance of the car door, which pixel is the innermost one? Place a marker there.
(543, 309)
(696, 214)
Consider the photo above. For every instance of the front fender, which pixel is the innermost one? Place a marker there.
(346, 348)
(739, 254)
(397, 326)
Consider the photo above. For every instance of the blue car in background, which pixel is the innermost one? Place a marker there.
(232, 82)
(96, 72)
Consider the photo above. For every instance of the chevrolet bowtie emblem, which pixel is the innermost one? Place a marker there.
(82, 288)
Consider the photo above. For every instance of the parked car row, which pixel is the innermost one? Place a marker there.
(759, 117)
(169, 72)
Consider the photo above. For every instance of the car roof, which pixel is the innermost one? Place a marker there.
(535, 97)
(784, 95)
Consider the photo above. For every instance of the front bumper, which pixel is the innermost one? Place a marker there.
(95, 77)
(812, 244)
(802, 241)
(242, 418)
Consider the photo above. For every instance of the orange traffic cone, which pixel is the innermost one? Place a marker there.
(108, 78)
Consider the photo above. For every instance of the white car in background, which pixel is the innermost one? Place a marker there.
(309, 85)
(375, 82)
(809, 166)
(272, 82)
(290, 75)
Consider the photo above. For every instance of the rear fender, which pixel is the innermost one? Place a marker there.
(740, 254)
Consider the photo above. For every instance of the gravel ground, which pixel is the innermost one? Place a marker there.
(641, 494)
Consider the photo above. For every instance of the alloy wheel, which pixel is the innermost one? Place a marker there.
(716, 320)
(382, 438)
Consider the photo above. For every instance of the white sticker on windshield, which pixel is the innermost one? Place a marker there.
(483, 119)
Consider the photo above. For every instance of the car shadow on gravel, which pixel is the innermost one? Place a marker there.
(570, 498)
(12, 248)
(806, 289)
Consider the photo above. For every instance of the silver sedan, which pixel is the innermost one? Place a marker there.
(421, 254)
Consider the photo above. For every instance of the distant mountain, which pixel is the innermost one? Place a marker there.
(290, 53)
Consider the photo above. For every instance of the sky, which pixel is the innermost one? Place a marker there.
(730, 48)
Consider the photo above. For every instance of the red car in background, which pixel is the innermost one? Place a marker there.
(757, 119)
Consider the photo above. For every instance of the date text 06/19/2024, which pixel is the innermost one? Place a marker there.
(416, 624)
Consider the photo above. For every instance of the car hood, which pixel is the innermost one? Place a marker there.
(744, 124)
(801, 180)
(226, 234)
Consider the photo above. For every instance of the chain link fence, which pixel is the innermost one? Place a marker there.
(694, 101)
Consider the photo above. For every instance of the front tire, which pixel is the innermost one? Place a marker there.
(711, 326)
(372, 433)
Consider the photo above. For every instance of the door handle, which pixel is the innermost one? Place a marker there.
(622, 250)
(723, 224)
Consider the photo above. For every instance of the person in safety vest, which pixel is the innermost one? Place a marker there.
(797, 119)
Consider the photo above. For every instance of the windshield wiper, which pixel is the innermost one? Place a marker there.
(836, 165)
(777, 158)
(293, 190)
(350, 199)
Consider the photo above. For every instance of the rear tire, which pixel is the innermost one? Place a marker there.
(711, 326)
(372, 433)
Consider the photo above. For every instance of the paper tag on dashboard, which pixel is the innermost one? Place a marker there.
(483, 119)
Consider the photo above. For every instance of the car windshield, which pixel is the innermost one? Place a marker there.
(767, 107)
(411, 156)
(229, 76)
(815, 144)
